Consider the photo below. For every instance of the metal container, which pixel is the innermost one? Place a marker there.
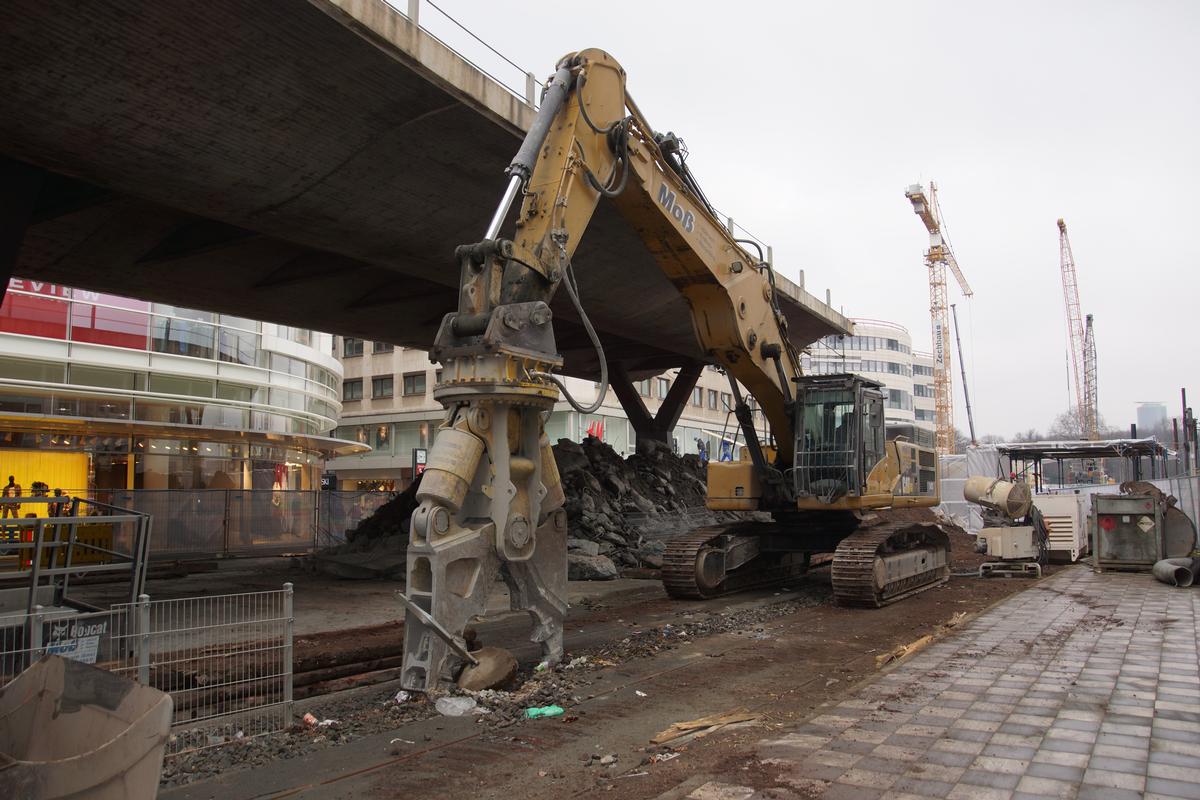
(71, 730)
(1127, 531)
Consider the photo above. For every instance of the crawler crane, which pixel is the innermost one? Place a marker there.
(491, 499)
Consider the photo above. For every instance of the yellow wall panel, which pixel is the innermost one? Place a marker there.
(66, 471)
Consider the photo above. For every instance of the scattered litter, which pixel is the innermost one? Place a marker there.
(633, 775)
(608, 760)
(455, 706)
(401, 697)
(543, 711)
(703, 726)
(325, 723)
(309, 719)
(640, 693)
(576, 663)
(405, 741)
(542, 666)
(831, 682)
(542, 773)
(659, 758)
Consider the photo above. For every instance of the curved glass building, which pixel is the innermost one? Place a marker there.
(100, 392)
(882, 351)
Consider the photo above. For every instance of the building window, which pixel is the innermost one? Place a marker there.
(698, 396)
(644, 388)
(712, 399)
(437, 377)
(352, 390)
(899, 399)
(351, 347)
(382, 347)
(414, 383)
(726, 401)
(664, 386)
(382, 386)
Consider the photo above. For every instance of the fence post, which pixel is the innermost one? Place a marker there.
(531, 89)
(35, 634)
(143, 639)
(414, 11)
(225, 527)
(288, 621)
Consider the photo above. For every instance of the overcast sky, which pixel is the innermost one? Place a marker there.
(806, 121)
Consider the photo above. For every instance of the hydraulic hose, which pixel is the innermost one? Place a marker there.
(573, 293)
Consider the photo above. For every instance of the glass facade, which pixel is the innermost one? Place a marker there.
(185, 380)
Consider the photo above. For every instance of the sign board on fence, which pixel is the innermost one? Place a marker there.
(77, 639)
(420, 456)
(329, 481)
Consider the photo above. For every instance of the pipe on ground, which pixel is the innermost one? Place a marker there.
(1174, 571)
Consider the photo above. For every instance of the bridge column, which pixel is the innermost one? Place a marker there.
(19, 185)
(658, 427)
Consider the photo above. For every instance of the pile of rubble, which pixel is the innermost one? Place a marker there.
(619, 511)
(617, 508)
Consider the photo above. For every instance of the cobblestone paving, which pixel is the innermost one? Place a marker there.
(1083, 686)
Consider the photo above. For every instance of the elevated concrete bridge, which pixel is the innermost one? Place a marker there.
(308, 162)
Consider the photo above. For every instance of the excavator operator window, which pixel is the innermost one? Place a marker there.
(826, 455)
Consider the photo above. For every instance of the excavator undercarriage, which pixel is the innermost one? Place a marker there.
(871, 565)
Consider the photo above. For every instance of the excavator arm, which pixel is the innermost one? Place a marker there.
(490, 497)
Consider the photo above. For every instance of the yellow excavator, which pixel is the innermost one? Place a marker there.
(490, 500)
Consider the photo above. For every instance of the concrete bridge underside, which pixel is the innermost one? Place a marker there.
(308, 163)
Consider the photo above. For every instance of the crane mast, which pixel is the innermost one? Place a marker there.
(938, 258)
(1086, 408)
(1091, 402)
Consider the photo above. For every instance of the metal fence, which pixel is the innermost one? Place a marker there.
(226, 660)
(240, 522)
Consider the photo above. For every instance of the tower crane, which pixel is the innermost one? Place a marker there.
(938, 257)
(1085, 394)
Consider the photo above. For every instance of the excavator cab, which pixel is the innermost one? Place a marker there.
(840, 436)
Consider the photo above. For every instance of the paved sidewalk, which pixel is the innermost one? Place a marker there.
(1084, 686)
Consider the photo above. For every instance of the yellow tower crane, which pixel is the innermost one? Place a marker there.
(938, 257)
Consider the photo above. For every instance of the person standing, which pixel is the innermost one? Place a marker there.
(13, 489)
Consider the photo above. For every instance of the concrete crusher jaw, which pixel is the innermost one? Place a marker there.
(491, 497)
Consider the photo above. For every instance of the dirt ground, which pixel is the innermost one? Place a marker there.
(780, 654)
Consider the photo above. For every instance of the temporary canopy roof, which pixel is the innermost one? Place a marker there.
(1105, 448)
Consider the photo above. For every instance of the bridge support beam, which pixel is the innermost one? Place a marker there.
(658, 427)
(19, 186)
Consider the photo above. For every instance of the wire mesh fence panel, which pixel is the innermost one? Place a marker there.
(340, 512)
(262, 520)
(99, 637)
(186, 522)
(226, 661)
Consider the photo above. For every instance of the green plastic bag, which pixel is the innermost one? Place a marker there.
(544, 711)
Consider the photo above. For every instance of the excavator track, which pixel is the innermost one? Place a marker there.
(918, 554)
(686, 574)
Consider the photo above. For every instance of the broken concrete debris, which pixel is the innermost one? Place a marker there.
(496, 667)
(620, 511)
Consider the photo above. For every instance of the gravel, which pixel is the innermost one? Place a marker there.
(369, 711)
